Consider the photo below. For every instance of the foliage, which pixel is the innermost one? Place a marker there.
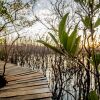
(2, 40)
(68, 43)
(4, 11)
(97, 23)
(10, 14)
(95, 59)
(50, 46)
(92, 96)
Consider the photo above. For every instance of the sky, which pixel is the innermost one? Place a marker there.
(41, 9)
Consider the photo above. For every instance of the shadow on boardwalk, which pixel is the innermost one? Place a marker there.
(24, 84)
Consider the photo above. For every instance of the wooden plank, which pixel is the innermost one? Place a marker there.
(36, 83)
(25, 81)
(12, 77)
(24, 84)
(22, 73)
(7, 66)
(18, 93)
(39, 96)
(25, 88)
(15, 70)
(19, 70)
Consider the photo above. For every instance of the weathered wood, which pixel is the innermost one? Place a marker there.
(18, 77)
(23, 92)
(24, 84)
(25, 88)
(8, 65)
(25, 81)
(41, 96)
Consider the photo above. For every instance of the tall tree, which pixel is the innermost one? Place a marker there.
(13, 19)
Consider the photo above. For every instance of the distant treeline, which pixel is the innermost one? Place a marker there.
(23, 50)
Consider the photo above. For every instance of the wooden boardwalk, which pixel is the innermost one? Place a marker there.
(24, 84)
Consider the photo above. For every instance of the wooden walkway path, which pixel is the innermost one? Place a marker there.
(24, 84)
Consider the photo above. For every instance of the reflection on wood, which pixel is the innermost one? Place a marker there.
(24, 84)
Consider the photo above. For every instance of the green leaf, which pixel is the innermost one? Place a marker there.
(97, 23)
(79, 1)
(96, 59)
(62, 26)
(71, 39)
(54, 39)
(64, 38)
(92, 96)
(86, 22)
(97, 6)
(82, 2)
(69, 29)
(70, 43)
(75, 48)
(50, 46)
(98, 68)
(1, 40)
